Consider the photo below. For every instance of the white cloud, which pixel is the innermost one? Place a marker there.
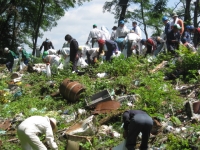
(78, 22)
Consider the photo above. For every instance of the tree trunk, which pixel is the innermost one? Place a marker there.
(196, 9)
(37, 26)
(145, 27)
(187, 17)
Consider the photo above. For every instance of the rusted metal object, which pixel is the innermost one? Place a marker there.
(106, 107)
(196, 107)
(71, 90)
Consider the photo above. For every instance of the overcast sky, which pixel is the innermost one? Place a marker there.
(78, 22)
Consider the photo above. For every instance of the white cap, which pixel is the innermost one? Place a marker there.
(18, 48)
(6, 49)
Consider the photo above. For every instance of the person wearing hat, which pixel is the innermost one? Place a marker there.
(47, 44)
(174, 38)
(94, 34)
(53, 60)
(10, 56)
(109, 47)
(121, 33)
(196, 32)
(188, 45)
(132, 41)
(29, 129)
(135, 122)
(177, 20)
(187, 34)
(166, 22)
(136, 29)
(113, 34)
(153, 45)
(24, 55)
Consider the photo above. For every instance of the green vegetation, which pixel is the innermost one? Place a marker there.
(156, 96)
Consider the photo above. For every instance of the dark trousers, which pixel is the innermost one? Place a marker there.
(9, 65)
(140, 123)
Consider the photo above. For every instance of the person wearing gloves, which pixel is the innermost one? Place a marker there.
(29, 129)
(121, 33)
(24, 55)
(134, 122)
(47, 44)
(94, 34)
(131, 41)
(10, 57)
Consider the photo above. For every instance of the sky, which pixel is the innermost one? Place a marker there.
(78, 22)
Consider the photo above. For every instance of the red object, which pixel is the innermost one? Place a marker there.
(101, 42)
(150, 42)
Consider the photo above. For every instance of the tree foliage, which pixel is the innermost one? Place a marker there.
(22, 20)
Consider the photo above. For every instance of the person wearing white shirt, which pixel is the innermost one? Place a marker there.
(137, 29)
(121, 33)
(28, 131)
(52, 52)
(131, 41)
(105, 33)
(94, 34)
(113, 34)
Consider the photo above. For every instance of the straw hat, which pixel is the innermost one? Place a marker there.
(53, 121)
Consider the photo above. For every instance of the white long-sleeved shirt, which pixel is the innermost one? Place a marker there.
(40, 124)
(52, 59)
(138, 31)
(94, 33)
(133, 37)
(122, 31)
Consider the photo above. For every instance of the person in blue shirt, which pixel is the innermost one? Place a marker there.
(167, 25)
(187, 34)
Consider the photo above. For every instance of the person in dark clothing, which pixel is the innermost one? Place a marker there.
(10, 56)
(74, 56)
(47, 44)
(111, 47)
(136, 121)
(173, 39)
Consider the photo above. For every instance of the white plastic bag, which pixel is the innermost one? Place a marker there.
(81, 62)
(48, 69)
(22, 65)
(121, 146)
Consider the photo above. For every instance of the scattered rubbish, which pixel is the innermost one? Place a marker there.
(69, 118)
(102, 75)
(71, 90)
(48, 70)
(106, 107)
(99, 97)
(121, 146)
(160, 66)
(83, 128)
(74, 141)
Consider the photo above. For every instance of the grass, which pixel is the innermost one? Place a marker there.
(156, 95)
